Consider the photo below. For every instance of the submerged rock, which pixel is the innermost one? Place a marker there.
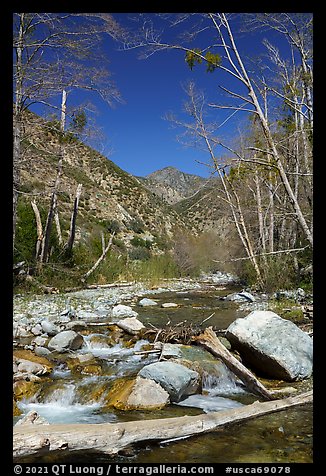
(210, 403)
(275, 346)
(176, 379)
(169, 305)
(66, 340)
(147, 302)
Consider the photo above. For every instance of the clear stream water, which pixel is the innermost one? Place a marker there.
(282, 437)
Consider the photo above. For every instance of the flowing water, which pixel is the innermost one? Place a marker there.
(72, 397)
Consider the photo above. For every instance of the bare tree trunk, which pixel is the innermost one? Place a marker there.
(17, 123)
(267, 133)
(58, 227)
(271, 215)
(260, 212)
(39, 229)
(110, 438)
(54, 196)
(212, 343)
(72, 231)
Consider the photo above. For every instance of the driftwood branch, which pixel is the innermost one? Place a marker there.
(101, 258)
(293, 250)
(110, 438)
(212, 343)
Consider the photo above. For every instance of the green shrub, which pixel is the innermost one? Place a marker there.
(140, 242)
(136, 225)
(139, 253)
(113, 226)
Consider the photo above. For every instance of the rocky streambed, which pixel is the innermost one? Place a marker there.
(95, 356)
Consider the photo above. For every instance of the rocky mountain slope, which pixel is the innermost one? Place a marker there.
(108, 192)
(172, 185)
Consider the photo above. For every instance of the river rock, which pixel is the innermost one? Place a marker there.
(20, 331)
(169, 305)
(171, 351)
(147, 302)
(244, 296)
(210, 403)
(275, 346)
(176, 379)
(131, 325)
(66, 340)
(83, 314)
(147, 394)
(31, 367)
(123, 311)
(37, 330)
(137, 394)
(73, 325)
(42, 351)
(40, 341)
(50, 328)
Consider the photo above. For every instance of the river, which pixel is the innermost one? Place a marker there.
(68, 396)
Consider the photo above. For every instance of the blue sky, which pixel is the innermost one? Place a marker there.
(136, 137)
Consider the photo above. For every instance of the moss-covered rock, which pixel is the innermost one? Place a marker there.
(32, 357)
(16, 412)
(137, 394)
(25, 389)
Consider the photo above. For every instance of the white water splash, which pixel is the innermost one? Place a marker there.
(62, 406)
(224, 382)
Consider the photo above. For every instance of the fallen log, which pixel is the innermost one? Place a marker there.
(110, 438)
(211, 342)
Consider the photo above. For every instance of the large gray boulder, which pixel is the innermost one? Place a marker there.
(176, 379)
(121, 310)
(66, 340)
(272, 345)
(131, 325)
(50, 328)
(147, 394)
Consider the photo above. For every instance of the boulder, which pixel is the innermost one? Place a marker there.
(171, 351)
(83, 314)
(73, 325)
(147, 302)
(40, 341)
(176, 379)
(32, 367)
(37, 330)
(20, 331)
(66, 340)
(131, 325)
(137, 394)
(244, 296)
(272, 345)
(42, 351)
(50, 328)
(123, 311)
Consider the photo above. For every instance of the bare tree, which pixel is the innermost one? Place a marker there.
(231, 62)
(50, 52)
